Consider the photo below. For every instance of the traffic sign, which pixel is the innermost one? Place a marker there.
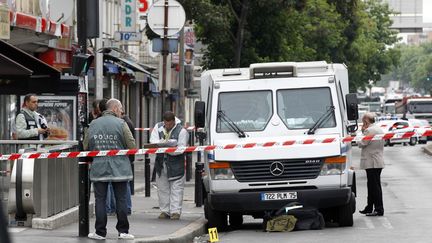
(127, 36)
(176, 17)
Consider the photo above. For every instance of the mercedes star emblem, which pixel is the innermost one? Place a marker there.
(276, 168)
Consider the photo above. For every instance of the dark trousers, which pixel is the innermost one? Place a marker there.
(374, 189)
(100, 191)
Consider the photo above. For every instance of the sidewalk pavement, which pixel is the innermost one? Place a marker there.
(428, 149)
(144, 222)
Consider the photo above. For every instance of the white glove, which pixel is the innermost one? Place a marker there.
(171, 142)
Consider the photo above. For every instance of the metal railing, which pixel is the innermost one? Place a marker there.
(40, 187)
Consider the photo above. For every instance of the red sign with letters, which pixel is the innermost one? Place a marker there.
(143, 6)
(57, 58)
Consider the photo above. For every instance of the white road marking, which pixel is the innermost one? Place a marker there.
(386, 223)
(16, 229)
(369, 223)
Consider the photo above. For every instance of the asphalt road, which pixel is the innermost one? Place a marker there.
(407, 194)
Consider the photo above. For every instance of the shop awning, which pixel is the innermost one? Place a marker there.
(110, 68)
(154, 86)
(10, 68)
(26, 73)
(127, 63)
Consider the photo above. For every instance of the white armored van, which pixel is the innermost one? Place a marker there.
(277, 102)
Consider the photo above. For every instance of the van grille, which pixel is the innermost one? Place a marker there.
(259, 170)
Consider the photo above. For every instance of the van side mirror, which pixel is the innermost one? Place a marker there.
(352, 107)
(199, 114)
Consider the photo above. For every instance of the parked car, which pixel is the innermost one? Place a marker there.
(398, 127)
(421, 127)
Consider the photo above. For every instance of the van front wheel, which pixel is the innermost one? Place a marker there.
(345, 213)
(215, 218)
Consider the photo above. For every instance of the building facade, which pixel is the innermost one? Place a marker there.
(126, 70)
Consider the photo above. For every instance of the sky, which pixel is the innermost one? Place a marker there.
(427, 11)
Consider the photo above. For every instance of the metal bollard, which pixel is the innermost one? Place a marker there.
(147, 175)
(84, 197)
(4, 234)
(189, 156)
(188, 166)
(199, 166)
(132, 182)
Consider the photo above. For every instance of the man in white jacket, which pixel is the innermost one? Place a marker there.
(170, 167)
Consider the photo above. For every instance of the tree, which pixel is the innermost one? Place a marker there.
(240, 32)
(414, 68)
(370, 54)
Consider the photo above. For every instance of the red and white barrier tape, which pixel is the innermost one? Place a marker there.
(104, 153)
(151, 128)
(384, 125)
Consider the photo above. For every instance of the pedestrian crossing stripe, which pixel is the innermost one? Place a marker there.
(213, 235)
(16, 229)
(386, 223)
(381, 221)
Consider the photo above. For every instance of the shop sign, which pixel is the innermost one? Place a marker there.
(143, 7)
(128, 16)
(127, 36)
(57, 58)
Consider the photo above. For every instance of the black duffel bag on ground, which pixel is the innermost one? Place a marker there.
(307, 217)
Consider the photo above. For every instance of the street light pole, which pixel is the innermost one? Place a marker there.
(181, 100)
(164, 56)
(83, 179)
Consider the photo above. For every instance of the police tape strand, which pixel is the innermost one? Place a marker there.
(103, 153)
(151, 128)
(200, 128)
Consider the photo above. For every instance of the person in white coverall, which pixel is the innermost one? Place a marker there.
(170, 167)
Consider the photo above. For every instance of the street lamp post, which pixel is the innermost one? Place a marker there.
(83, 221)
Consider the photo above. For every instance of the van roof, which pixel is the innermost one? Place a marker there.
(275, 70)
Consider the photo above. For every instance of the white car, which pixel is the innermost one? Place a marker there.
(398, 127)
(421, 127)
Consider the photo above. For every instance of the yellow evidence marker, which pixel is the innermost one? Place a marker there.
(213, 234)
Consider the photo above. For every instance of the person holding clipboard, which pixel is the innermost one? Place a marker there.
(170, 167)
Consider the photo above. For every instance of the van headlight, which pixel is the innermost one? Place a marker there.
(221, 171)
(333, 166)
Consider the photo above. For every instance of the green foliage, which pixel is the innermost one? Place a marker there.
(414, 68)
(369, 55)
(353, 32)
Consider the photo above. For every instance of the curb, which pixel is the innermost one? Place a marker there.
(59, 220)
(428, 149)
(183, 235)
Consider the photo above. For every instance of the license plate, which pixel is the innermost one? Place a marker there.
(278, 196)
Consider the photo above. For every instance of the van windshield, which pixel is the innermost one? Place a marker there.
(301, 108)
(249, 110)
